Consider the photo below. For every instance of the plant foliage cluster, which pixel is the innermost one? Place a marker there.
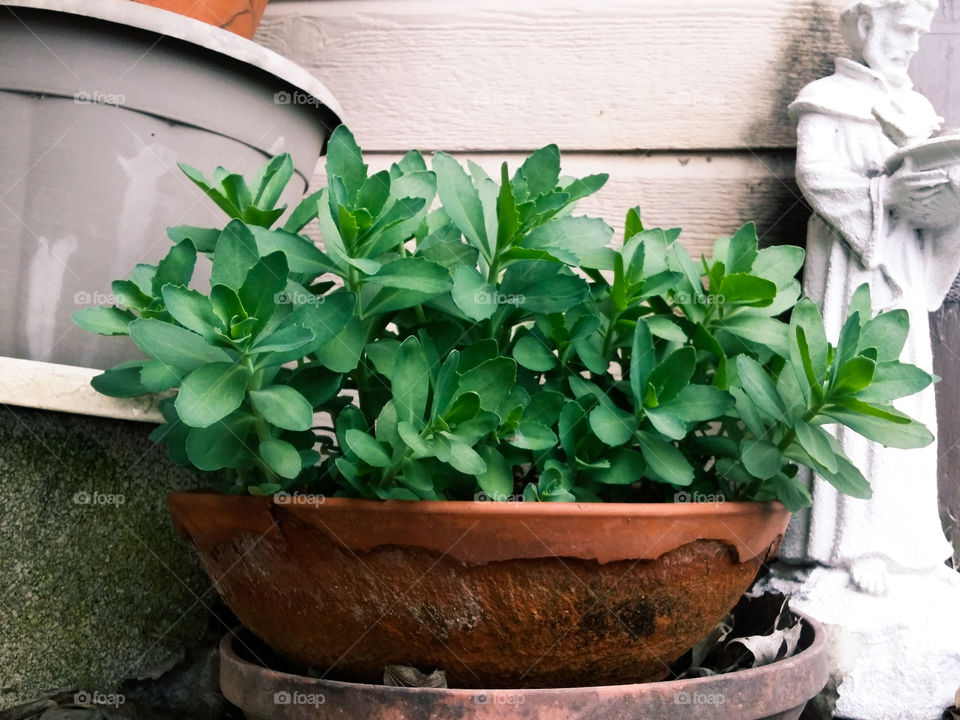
(461, 334)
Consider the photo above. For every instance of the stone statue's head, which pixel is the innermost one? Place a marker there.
(884, 34)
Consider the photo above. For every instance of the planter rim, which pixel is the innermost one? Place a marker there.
(809, 665)
(604, 532)
(180, 27)
(66, 388)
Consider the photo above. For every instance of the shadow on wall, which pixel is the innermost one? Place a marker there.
(806, 56)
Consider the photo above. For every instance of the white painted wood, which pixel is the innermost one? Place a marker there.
(507, 75)
(64, 388)
(708, 195)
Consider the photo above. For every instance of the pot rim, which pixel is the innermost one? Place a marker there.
(477, 533)
(195, 32)
(506, 509)
(809, 666)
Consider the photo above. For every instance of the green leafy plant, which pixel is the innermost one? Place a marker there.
(496, 343)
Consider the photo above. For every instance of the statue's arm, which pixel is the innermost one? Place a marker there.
(848, 200)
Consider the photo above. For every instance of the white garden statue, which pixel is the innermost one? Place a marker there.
(886, 211)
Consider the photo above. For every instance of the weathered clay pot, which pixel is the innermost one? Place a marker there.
(496, 594)
(774, 692)
(239, 16)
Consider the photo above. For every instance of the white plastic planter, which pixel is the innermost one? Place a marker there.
(99, 100)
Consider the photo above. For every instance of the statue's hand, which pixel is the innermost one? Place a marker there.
(927, 199)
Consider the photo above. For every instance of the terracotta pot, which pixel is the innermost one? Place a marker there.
(774, 692)
(496, 594)
(239, 16)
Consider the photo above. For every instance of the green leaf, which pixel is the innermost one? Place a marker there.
(174, 345)
(667, 421)
(539, 173)
(283, 406)
(462, 457)
(284, 340)
(791, 492)
(761, 330)
(342, 353)
(883, 425)
(508, 219)
(122, 381)
(221, 445)
(367, 449)
(104, 320)
(531, 353)
(497, 479)
(191, 309)
(633, 224)
(700, 403)
(626, 467)
(855, 374)
(472, 294)
(410, 381)
(273, 178)
(345, 161)
(533, 436)
(414, 273)
(674, 373)
(746, 290)
(203, 239)
(211, 392)
(491, 380)
(759, 388)
(805, 316)
(157, 376)
(281, 457)
(664, 461)
(303, 214)
(303, 257)
(742, 250)
(816, 442)
(583, 238)
(886, 332)
(218, 197)
(176, 268)
(643, 359)
(894, 380)
(263, 288)
(465, 408)
(461, 201)
(761, 458)
(235, 254)
(612, 426)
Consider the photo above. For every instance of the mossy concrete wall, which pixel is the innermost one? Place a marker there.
(95, 585)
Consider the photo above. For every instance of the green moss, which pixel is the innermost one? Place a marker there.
(93, 592)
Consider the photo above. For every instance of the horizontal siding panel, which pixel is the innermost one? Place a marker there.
(708, 195)
(481, 75)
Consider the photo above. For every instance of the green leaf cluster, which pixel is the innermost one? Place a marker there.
(460, 334)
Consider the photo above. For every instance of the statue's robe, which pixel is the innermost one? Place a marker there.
(852, 238)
